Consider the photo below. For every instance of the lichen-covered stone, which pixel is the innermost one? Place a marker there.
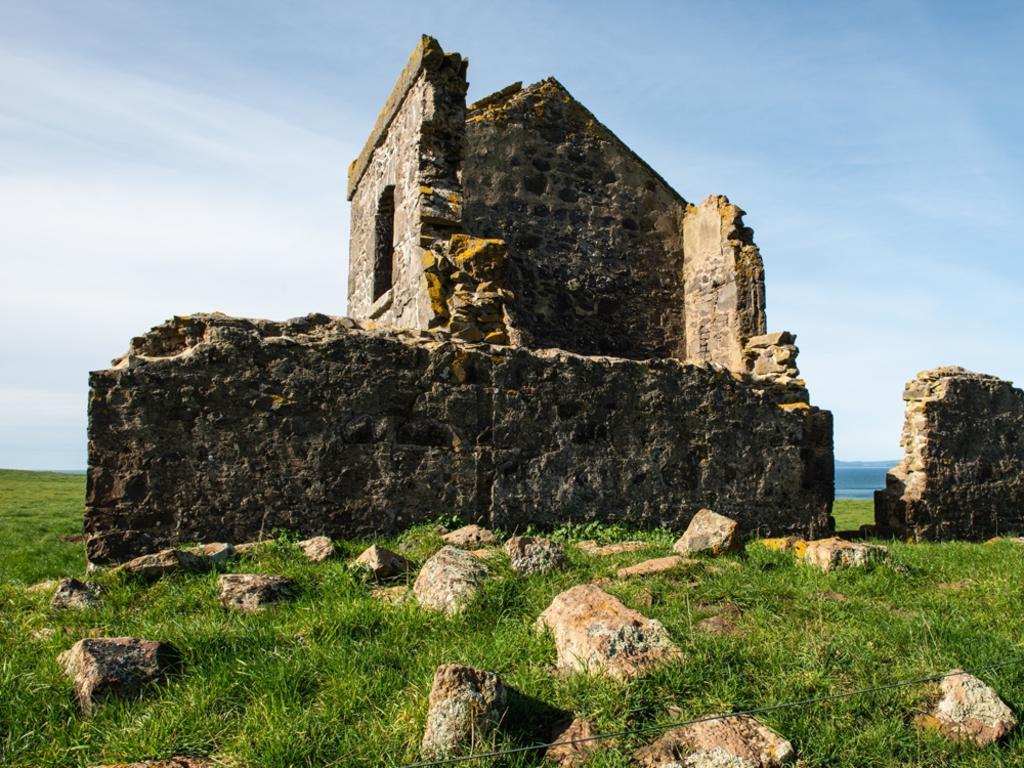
(592, 548)
(381, 564)
(737, 741)
(970, 710)
(218, 553)
(962, 476)
(470, 537)
(654, 566)
(317, 549)
(319, 427)
(528, 555)
(709, 533)
(466, 707)
(250, 592)
(594, 632)
(830, 554)
(120, 666)
(164, 562)
(75, 595)
(449, 580)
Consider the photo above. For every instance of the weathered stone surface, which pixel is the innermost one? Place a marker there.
(317, 549)
(737, 741)
(466, 707)
(381, 563)
(963, 473)
(470, 537)
(254, 591)
(75, 595)
(829, 554)
(170, 762)
(121, 666)
(592, 548)
(971, 710)
(251, 548)
(709, 533)
(654, 566)
(165, 562)
(528, 555)
(43, 586)
(595, 632)
(449, 580)
(218, 553)
(318, 427)
(570, 746)
(718, 625)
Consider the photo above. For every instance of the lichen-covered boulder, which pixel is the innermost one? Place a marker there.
(317, 549)
(75, 595)
(254, 591)
(709, 533)
(738, 741)
(466, 707)
(121, 666)
(449, 580)
(218, 553)
(654, 566)
(164, 562)
(833, 553)
(470, 537)
(529, 555)
(595, 632)
(970, 710)
(381, 564)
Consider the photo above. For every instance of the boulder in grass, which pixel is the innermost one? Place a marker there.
(529, 555)
(317, 549)
(572, 744)
(718, 625)
(449, 580)
(592, 548)
(466, 707)
(470, 537)
(381, 564)
(218, 553)
(969, 710)
(657, 565)
(254, 591)
(121, 666)
(75, 595)
(595, 632)
(831, 554)
(737, 741)
(251, 548)
(709, 534)
(164, 562)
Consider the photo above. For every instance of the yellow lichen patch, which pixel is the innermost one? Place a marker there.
(435, 291)
(800, 548)
(483, 258)
(794, 406)
(499, 338)
(783, 544)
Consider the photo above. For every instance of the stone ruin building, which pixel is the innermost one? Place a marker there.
(541, 331)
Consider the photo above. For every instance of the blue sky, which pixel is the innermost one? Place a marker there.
(162, 158)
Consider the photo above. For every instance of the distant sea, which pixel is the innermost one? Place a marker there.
(860, 479)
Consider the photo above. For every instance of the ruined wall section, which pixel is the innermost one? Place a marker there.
(594, 235)
(215, 428)
(963, 473)
(410, 159)
(724, 283)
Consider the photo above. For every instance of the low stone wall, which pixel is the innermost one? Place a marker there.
(963, 474)
(213, 428)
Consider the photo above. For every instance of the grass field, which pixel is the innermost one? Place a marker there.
(337, 678)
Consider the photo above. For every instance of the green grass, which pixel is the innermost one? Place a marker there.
(337, 678)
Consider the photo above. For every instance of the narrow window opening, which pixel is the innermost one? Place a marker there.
(384, 244)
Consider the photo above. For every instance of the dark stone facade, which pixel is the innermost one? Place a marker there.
(214, 428)
(963, 474)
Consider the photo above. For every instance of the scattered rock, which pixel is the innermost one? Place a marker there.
(250, 548)
(655, 566)
(738, 741)
(484, 553)
(218, 553)
(43, 586)
(317, 549)
(529, 555)
(391, 595)
(954, 586)
(793, 544)
(592, 548)
(466, 707)
(449, 580)
(595, 632)
(829, 554)
(121, 666)
(835, 597)
(970, 710)
(75, 595)
(709, 533)
(170, 762)
(43, 633)
(470, 537)
(718, 625)
(151, 567)
(381, 563)
(253, 591)
(568, 754)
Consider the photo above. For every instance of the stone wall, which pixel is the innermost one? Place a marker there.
(594, 235)
(963, 473)
(412, 156)
(214, 428)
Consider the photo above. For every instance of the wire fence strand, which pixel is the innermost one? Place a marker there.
(660, 727)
